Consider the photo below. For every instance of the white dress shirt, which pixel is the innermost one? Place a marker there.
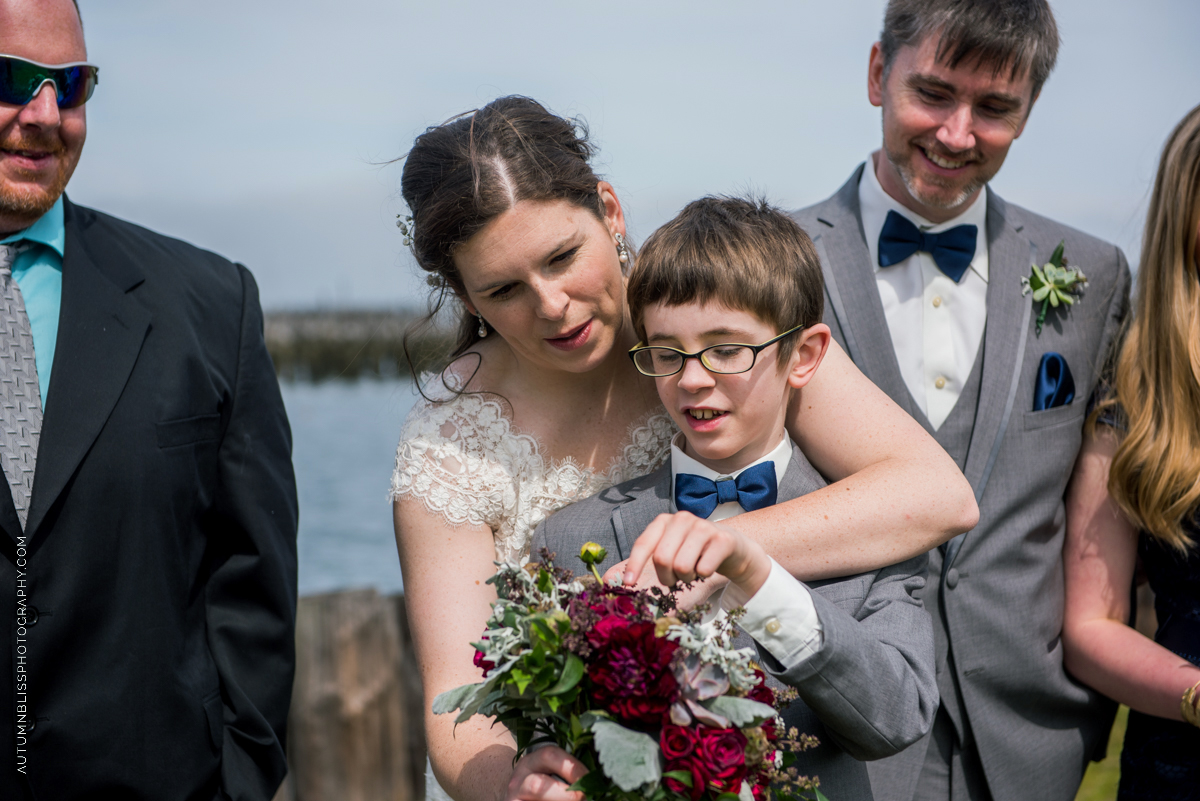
(936, 324)
(780, 616)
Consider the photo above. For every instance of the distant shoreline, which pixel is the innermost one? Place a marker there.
(347, 344)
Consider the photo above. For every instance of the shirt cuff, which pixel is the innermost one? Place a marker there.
(781, 617)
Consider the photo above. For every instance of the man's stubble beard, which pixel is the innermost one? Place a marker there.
(32, 201)
(935, 201)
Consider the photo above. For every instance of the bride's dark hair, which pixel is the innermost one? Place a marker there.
(462, 174)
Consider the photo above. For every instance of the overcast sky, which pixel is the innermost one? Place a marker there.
(257, 128)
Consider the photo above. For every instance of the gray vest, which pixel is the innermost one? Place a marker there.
(954, 436)
(955, 432)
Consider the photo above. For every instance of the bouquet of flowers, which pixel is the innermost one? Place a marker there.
(652, 699)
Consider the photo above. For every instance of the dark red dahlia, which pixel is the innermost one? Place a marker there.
(631, 671)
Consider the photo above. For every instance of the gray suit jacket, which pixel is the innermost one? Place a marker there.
(997, 595)
(868, 693)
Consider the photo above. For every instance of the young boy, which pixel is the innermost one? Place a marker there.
(727, 299)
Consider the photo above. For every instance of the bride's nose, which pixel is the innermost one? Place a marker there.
(552, 301)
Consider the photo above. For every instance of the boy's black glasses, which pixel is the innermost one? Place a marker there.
(659, 361)
(21, 80)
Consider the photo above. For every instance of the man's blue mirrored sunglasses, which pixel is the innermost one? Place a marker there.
(21, 80)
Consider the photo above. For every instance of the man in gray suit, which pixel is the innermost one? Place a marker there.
(858, 649)
(923, 269)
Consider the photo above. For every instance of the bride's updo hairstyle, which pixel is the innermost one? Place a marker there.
(464, 173)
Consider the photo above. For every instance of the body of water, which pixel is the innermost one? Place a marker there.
(345, 436)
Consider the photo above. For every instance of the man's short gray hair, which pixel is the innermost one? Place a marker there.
(1020, 35)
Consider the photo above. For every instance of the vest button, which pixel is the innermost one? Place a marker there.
(952, 578)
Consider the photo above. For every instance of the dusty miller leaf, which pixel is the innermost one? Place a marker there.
(630, 758)
(741, 711)
(453, 699)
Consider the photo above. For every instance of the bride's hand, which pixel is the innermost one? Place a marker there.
(545, 775)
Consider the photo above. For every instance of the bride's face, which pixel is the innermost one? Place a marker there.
(546, 277)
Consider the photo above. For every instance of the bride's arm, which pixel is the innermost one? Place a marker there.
(1099, 555)
(894, 492)
(448, 599)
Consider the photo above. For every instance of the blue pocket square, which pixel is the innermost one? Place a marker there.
(1055, 386)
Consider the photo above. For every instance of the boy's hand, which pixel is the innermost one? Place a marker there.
(684, 547)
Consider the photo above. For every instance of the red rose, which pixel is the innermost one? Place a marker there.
(605, 629)
(616, 601)
(700, 777)
(483, 664)
(768, 729)
(728, 780)
(677, 741)
(723, 748)
(761, 692)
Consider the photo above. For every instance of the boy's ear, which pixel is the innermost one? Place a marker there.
(810, 350)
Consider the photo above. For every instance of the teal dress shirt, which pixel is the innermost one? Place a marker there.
(38, 272)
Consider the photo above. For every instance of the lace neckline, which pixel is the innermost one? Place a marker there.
(617, 470)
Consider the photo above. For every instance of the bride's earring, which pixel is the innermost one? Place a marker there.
(622, 248)
(482, 326)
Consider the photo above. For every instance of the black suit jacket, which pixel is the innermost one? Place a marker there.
(157, 571)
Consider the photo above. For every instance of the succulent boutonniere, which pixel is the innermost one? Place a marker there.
(1054, 284)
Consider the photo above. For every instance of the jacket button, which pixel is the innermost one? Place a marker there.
(952, 578)
(31, 616)
(772, 626)
(32, 724)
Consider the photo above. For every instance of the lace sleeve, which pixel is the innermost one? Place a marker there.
(451, 457)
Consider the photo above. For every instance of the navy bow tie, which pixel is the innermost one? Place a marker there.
(754, 488)
(952, 250)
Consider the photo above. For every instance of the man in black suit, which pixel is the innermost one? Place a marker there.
(149, 506)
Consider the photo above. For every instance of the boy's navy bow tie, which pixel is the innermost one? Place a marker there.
(754, 488)
(952, 250)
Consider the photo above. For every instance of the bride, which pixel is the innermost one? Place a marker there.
(540, 406)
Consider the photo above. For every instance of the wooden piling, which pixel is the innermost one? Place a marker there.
(355, 732)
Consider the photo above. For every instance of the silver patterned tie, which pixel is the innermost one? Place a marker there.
(20, 397)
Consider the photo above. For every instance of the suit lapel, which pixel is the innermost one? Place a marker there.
(850, 280)
(1010, 254)
(800, 478)
(8, 520)
(647, 500)
(100, 334)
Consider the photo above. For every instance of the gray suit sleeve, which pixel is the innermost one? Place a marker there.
(873, 682)
(1118, 309)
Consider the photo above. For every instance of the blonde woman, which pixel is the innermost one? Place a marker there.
(1135, 495)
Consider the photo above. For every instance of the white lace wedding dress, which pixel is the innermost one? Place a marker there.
(462, 457)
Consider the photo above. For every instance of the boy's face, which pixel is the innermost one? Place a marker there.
(729, 421)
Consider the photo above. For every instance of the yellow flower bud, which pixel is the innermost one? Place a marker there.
(592, 553)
